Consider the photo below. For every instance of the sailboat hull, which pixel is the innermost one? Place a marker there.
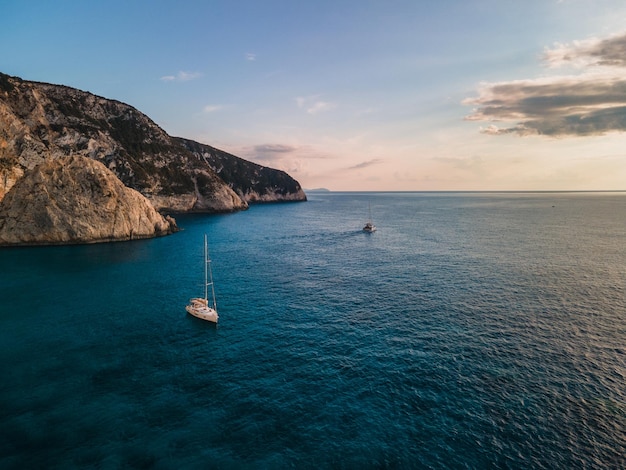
(199, 309)
(369, 226)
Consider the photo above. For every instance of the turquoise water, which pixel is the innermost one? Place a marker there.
(477, 330)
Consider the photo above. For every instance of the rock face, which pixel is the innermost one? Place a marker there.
(41, 122)
(76, 200)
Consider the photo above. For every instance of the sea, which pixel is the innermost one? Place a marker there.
(470, 331)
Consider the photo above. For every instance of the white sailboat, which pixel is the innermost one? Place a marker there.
(199, 307)
(369, 226)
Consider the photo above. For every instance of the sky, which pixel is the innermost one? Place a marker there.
(354, 95)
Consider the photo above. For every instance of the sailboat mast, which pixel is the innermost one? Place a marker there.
(206, 267)
(208, 275)
(212, 286)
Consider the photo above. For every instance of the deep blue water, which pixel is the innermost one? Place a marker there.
(475, 330)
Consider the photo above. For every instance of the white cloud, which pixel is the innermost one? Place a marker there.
(314, 105)
(320, 107)
(211, 108)
(250, 56)
(181, 77)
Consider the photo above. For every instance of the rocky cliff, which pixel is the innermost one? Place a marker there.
(76, 200)
(252, 182)
(41, 122)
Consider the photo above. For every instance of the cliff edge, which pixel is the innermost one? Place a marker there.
(252, 182)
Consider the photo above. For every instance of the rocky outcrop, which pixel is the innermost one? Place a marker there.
(252, 182)
(76, 200)
(41, 122)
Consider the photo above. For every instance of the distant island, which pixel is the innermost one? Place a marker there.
(317, 190)
(42, 123)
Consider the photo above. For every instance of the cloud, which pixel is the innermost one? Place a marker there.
(610, 52)
(274, 148)
(181, 77)
(313, 105)
(211, 108)
(250, 56)
(590, 103)
(320, 107)
(366, 164)
(272, 153)
(294, 159)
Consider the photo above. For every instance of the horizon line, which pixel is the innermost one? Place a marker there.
(324, 190)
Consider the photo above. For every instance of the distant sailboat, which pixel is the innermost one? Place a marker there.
(199, 307)
(369, 226)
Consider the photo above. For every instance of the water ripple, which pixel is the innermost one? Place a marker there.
(470, 331)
